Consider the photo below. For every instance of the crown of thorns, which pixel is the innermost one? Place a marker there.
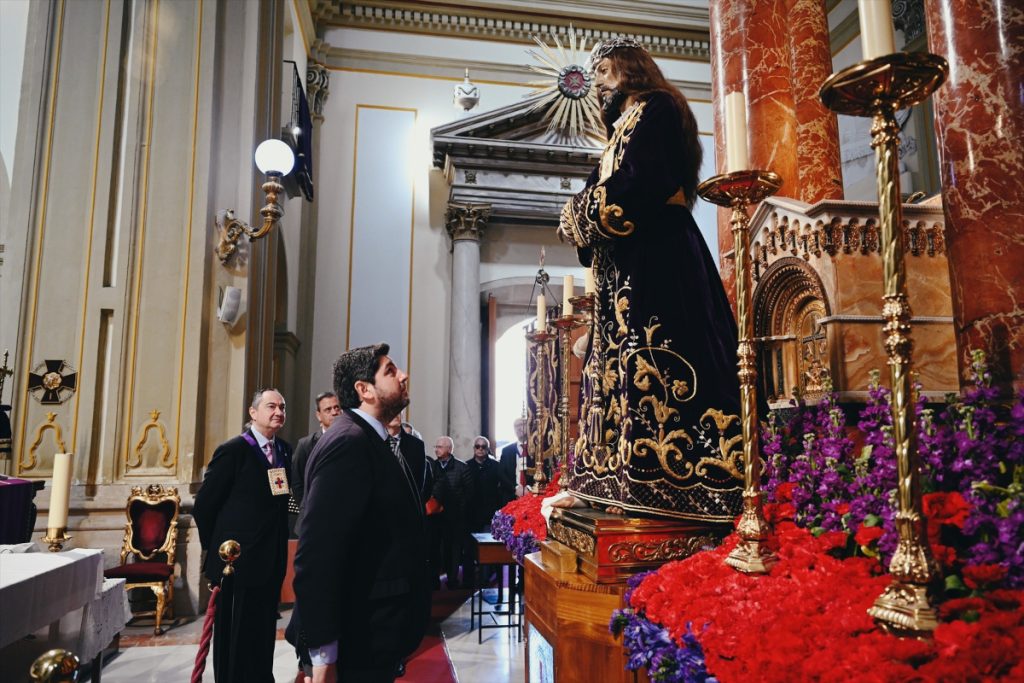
(605, 47)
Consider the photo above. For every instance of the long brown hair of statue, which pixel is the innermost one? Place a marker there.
(639, 76)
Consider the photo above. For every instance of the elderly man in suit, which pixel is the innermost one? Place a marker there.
(361, 586)
(244, 497)
(452, 488)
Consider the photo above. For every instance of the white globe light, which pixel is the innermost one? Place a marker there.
(274, 156)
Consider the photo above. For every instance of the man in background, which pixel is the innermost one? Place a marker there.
(327, 408)
(514, 462)
(452, 488)
(244, 497)
(486, 491)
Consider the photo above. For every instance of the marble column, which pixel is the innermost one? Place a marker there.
(726, 76)
(817, 130)
(465, 224)
(979, 122)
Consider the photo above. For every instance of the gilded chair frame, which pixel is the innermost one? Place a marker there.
(153, 495)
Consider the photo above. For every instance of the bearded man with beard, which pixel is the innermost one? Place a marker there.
(361, 582)
(659, 426)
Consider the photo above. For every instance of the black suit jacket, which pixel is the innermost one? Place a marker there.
(235, 502)
(415, 453)
(298, 471)
(486, 493)
(507, 465)
(361, 564)
(453, 488)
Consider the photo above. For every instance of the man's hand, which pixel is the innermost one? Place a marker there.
(326, 673)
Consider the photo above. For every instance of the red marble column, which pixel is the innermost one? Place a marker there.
(979, 122)
(727, 59)
(771, 115)
(817, 131)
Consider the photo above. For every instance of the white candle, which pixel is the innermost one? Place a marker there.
(568, 289)
(542, 313)
(589, 285)
(60, 491)
(736, 132)
(876, 36)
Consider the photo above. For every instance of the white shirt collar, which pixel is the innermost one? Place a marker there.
(377, 425)
(261, 440)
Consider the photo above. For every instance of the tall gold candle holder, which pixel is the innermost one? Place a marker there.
(565, 325)
(739, 190)
(540, 339)
(878, 88)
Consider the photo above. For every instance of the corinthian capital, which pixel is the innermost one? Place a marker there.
(466, 221)
(318, 80)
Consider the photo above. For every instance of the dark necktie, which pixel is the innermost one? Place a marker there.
(393, 442)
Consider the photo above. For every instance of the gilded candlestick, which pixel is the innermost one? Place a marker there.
(540, 424)
(878, 88)
(565, 325)
(55, 538)
(739, 190)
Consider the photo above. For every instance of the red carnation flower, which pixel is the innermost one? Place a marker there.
(979, 575)
(945, 508)
(866, 535)
(784, 492)
(943, 554)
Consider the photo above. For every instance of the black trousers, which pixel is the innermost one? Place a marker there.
(450, 541)
(245, 633)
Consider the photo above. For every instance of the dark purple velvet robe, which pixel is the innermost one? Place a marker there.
(659, 412)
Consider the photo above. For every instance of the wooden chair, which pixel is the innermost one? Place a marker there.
(151, 531)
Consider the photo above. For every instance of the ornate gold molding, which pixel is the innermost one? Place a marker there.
(665, 550)
(58, 437)
(166, 457)
(574, 538)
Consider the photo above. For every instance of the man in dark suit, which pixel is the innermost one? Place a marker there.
(513, 463)
(327, 408)
(415, 453)
(244, 497)
(452, 488)
(486, 492)
(362, 597)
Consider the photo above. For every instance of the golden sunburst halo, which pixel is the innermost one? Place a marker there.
(566, 92)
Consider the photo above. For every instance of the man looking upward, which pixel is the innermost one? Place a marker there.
(361, 588)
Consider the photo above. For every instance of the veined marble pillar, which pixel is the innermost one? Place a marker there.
(465, 224)
(979, 122)
(727, 60)
(817, 130)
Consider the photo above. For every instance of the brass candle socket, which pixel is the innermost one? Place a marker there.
(878, 88)
(739, 190)
(55, 538)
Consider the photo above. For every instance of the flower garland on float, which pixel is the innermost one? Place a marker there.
(520, 525)
(833, 531)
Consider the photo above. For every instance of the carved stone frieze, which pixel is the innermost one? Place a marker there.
(466, 221)
(318, 80)
(784, 227)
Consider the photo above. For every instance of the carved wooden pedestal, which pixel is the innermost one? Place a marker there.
(611, 548)
(567, 617)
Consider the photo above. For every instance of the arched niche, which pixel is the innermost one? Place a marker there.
(790, 307)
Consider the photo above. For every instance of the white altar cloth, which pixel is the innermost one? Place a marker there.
(37, 589)
(31, 593)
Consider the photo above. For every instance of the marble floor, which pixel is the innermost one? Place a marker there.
(169, 657)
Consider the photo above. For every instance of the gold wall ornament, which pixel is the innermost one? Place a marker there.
(878, 88)
(52, 382)
(58, 437)
(565, 93)
(739, 190)
(166, 458)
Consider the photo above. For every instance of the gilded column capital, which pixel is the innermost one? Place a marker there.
(466, 221)
(318, 80)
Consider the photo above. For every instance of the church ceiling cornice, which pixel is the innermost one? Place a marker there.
(668, 30)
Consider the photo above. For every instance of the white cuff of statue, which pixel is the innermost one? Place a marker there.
(562, 499)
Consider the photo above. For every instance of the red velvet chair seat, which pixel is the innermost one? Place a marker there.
(140, 572)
